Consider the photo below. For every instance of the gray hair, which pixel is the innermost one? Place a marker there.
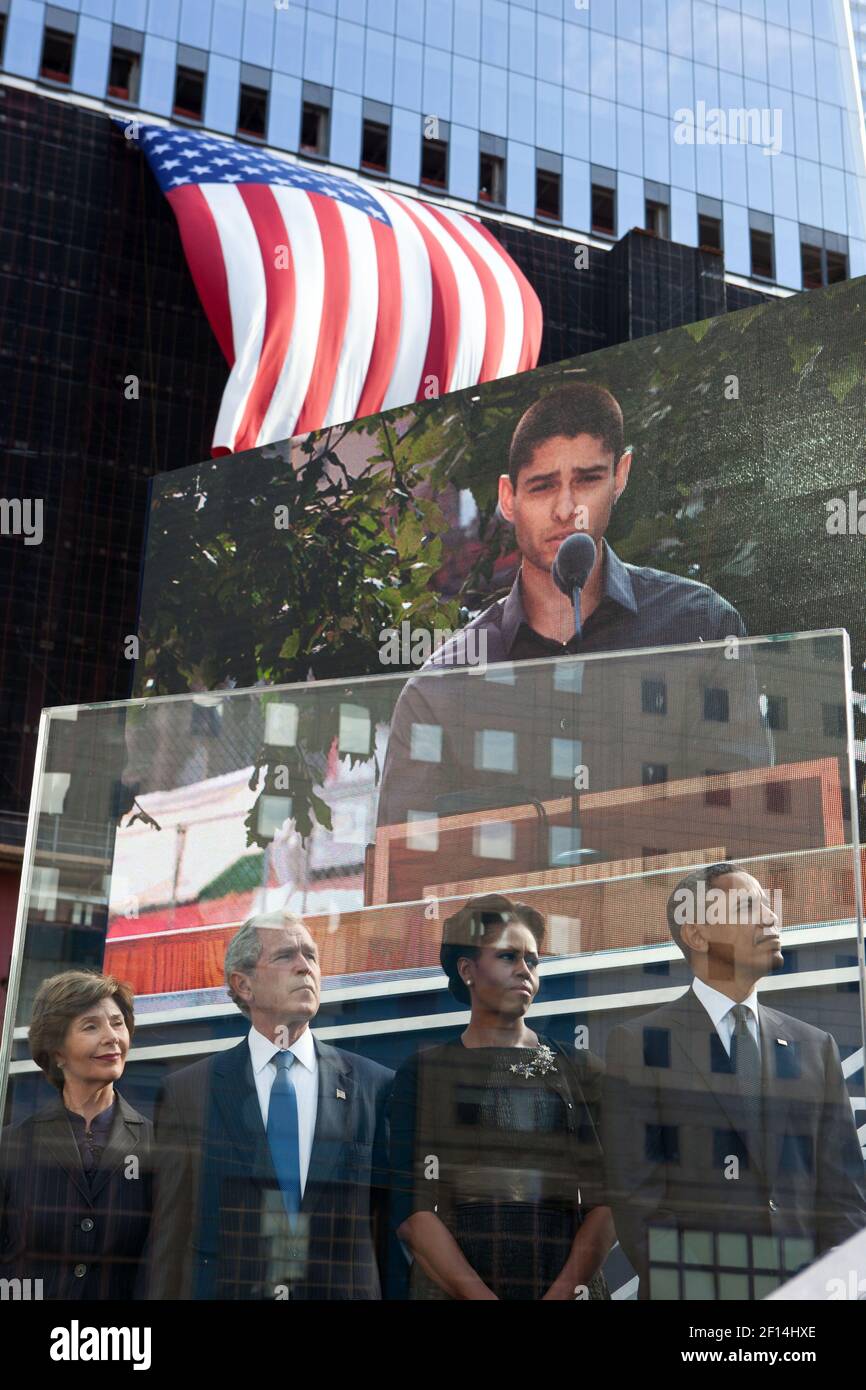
(245, 948)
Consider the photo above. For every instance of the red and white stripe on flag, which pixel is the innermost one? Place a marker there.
(331, 298)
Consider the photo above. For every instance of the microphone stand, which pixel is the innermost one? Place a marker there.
(575, 598)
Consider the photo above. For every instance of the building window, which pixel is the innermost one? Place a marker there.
(762, 254)
(716, 708)
(253, 112)
(189, 93)
(777, 796)
(846, 963)
(374, 147)
(653, 773)
(834, 722)
(548, 195)
(434, 163)
(846, 803)
(709, 233)
(491, 179)
(603, 210)
(658, 219)
(823, 257)
(716, 796)
(123, 74)
(56, 65)
(653, 697)
(777, 712)
(314, 130)
(813, 271)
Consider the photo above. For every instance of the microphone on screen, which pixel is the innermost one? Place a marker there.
(572, 567)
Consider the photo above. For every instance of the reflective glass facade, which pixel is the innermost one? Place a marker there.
(745, 111)
(858, 25)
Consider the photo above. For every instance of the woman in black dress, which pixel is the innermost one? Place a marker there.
(497, 1167)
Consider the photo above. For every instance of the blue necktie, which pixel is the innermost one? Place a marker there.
(283, 1134)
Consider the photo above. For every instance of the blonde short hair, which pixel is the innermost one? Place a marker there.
(59, 1000)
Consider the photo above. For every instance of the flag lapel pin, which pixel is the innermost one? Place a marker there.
(341, 1095)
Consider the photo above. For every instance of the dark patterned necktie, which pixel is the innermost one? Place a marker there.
(747, 1060)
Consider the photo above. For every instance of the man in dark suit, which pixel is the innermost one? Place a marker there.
(272, 1156)
(731, 1152)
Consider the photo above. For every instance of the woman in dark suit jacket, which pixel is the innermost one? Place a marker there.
(75, 1178)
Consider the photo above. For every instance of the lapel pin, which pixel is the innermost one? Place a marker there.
(783, 1042)
(341, 1095)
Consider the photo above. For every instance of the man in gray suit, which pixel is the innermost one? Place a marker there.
(272, 1155)
(731, 1152)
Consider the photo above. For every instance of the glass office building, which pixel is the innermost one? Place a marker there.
(858, 25)
(735, 124)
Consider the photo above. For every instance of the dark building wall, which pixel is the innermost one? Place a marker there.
(94, 290)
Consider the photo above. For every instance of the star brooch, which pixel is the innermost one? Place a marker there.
(539, 1063)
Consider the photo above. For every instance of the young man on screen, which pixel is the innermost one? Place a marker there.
(567, 468)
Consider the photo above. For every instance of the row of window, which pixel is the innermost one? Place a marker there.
(654, 700)
(207, 720)
(822, 264)
(499, 839)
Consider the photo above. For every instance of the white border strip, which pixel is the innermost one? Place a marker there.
(556, 1008)
(436, 980)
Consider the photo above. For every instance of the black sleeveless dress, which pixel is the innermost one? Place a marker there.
(502, 1144)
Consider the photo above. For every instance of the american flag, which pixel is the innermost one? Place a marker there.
(331, 298)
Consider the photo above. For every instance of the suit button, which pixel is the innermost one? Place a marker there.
(772, 1205)
(79, 1271)
(87, 1224)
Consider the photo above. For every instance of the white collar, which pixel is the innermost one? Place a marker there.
(263, 1050)
(719, 1005)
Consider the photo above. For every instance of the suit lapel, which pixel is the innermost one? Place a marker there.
(123, 1139)
(55, 1134)
(236, 1098)
(334, 1121)
(780, 1063)
(697, 1039)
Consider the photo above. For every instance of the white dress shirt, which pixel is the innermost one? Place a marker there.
(720, 1008)
(305, 1079)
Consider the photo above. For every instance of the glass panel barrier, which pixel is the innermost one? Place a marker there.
(601, 915)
